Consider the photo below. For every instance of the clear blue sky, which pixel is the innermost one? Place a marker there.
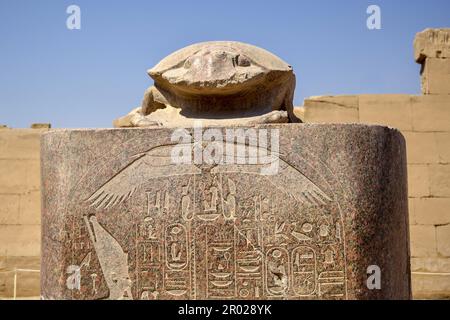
(88, 77)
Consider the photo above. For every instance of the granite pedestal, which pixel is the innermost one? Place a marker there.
(122, 220)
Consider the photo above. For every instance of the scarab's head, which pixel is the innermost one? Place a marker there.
(213, 69)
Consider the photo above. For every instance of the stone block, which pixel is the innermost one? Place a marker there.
(411, 211)
(30, 208)
(9, 209)
(418, 180)
(430, 278)
(299, 112)
(28, 277)
(20, 144)
(136, 224)
(430, 211)
(331, 109)
(19, 176)
(13, 176)
(421, 147)
(423, 241)
(431, 265)
(21, 262)
(443, 146)
(392, 110)
(430, 286)
(439, 179)
(436, 76)
(431, 113)
(432, 43)
(6, 285)
(443, 240)
(34, 175)
(344, 101)
(28, 284)
(20, 240)
(41, 126)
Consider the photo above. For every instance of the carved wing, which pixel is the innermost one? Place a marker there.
(278, 172)
(153, 164)
(157, 163)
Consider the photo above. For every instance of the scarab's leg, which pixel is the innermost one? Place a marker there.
(126, 121)
(289, 102)
(150, 101)
(136, 119)
(278, 116)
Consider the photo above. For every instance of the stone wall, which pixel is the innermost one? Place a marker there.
(20, 211)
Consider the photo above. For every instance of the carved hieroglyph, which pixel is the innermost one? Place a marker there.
(219, 82)
(158, 230)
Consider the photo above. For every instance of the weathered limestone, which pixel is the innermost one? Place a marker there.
(27, 285)
(423, 241)
(25, 244)
(436, 76)
(9, 210)
(221, 83)
(432, 43)
(126, 222)
(20, 144)
(443, 146)
(422, 147)
(431, 285)
(20, 231)
(443, 240)
(431, 113)
(418, 180)
(430, 211)
(439, 180)
(432, 51)
(430, 278)
(393, 110)
(342, 108)
(41, 126)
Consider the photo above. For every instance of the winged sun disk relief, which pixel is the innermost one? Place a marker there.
(157, 163)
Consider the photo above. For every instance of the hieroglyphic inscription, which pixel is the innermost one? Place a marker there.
(217, 234)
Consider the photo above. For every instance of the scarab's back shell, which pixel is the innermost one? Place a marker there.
(263, 58)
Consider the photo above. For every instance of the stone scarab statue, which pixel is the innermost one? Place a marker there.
(219, 83)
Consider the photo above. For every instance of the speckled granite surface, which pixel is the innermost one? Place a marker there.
(121, 220)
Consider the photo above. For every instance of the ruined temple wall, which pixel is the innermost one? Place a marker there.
(20, 208)
(425, 123)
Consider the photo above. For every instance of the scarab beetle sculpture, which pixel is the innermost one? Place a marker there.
(220, 83)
